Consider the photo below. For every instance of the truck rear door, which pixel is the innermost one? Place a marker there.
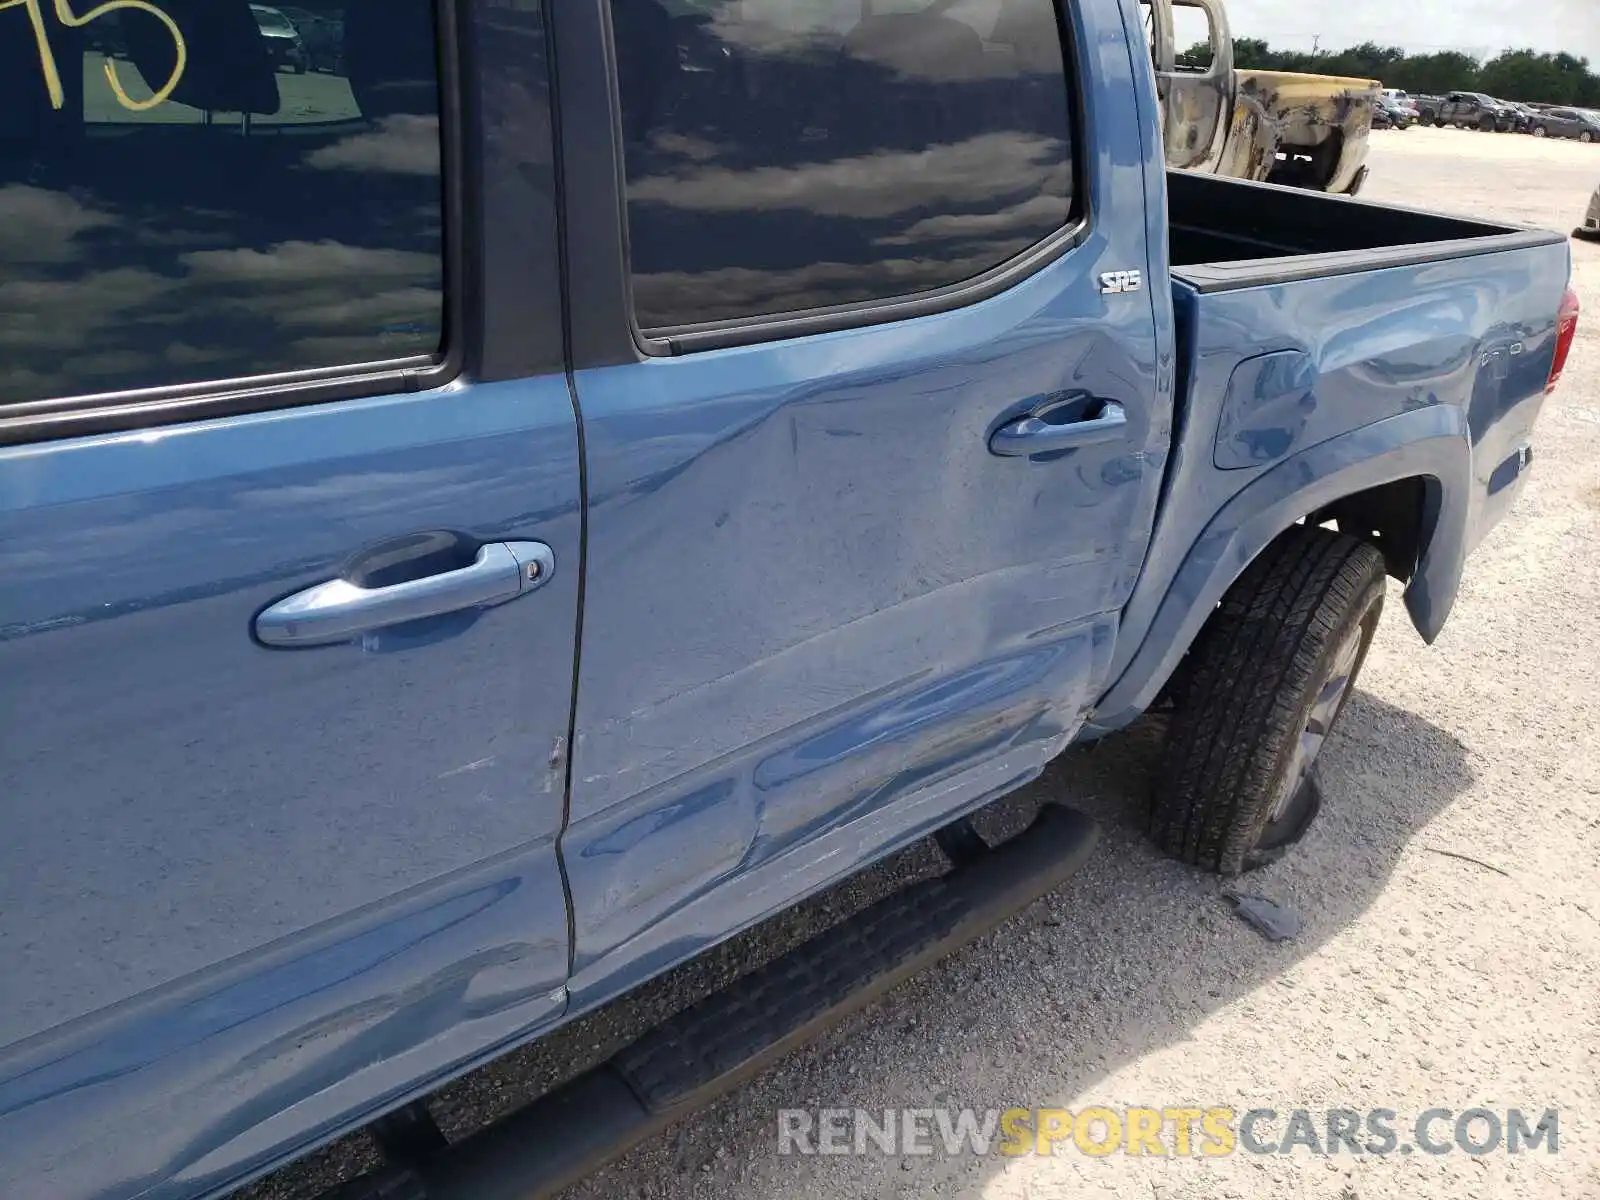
(874, 425)
(259, 871)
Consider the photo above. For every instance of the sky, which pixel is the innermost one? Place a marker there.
(1479, 27)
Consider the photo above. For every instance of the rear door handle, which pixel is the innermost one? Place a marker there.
(339, 610)
(1038, 435)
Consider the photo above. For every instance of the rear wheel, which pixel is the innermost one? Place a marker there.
(1259, 694)
(1540, 131)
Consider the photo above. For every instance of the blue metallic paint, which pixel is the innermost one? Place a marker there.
(365, 842)
(176, 796)
(165, 543)
(784, 675)
(1270, 400)
(189, 1088)
(1350, 353)
(1429, 443)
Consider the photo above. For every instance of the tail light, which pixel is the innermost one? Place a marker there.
(1566, 330)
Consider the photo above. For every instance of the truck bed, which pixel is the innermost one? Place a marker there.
(1316, 336)
(1228, 234)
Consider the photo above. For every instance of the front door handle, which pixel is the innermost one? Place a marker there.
(339, 610)
(1037, 434)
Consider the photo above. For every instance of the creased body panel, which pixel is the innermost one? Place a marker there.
(821, 615)
(830, 599)
(1474, 336)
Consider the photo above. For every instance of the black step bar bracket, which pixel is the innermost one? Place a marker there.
(723, 1040)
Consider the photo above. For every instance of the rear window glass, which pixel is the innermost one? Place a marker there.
(197, 190)
(787, 155)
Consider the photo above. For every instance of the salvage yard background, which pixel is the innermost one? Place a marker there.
(1420, 979)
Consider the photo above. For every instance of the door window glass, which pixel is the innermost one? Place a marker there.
(787, 155)
(197, 190)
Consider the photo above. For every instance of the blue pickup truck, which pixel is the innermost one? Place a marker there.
(484, 527)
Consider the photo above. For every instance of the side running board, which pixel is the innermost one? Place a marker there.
(730, 1036)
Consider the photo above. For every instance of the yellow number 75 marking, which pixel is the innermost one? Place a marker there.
(64, 14)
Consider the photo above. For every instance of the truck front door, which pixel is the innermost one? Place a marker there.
(874, 423)
(265, 866)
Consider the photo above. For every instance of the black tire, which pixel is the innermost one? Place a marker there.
(1425, 119)
(1540, 131)
(1486, 125)
(1586, 137)
(1260, 668)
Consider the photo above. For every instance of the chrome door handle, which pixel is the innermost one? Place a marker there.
(339, 610)
(1037, 435)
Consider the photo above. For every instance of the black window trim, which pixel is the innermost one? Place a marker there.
(604, 324)
(139, 408)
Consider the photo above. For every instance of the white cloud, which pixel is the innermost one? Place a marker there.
(39, 226)
(869, 186)
(1033, 213)
(297, 264)
(738, 291)
(119, 324)
(43, 317)
(401, 145)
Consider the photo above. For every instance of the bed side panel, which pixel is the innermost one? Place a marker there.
(1475, 335)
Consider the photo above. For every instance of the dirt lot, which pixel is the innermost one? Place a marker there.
(1421, 980)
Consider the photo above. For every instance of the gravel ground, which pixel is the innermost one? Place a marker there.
(1420, 979)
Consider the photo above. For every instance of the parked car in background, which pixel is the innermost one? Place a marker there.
(1525, 115)
(1510, 117)
(1469, 110)
(284, 43)
(1402, 98)
(1289, 128)
(1393, 114)
(1580, 123)
(1589, 231)
(323, 37)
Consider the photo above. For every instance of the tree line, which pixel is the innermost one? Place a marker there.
(1525, 75)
